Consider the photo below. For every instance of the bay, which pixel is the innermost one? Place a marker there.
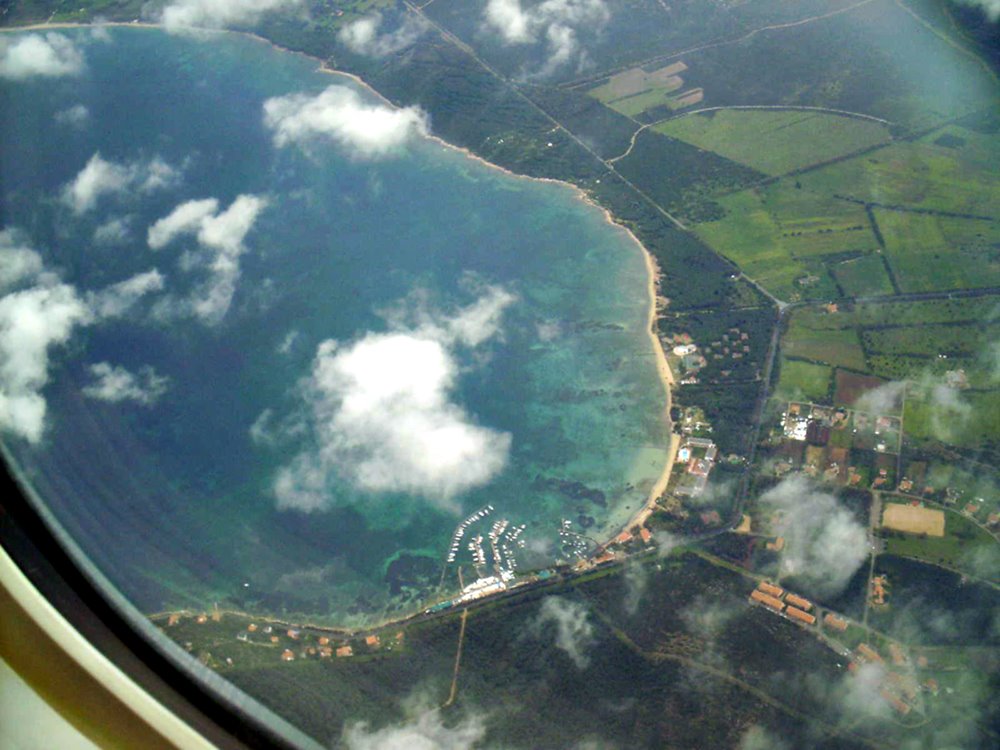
(175, 501)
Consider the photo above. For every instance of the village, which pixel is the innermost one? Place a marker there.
(898, 681)
(838, 445)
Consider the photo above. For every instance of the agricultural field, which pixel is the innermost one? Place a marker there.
(782, 236)
(864, 276)
(776, 142)
(961, 340)
(915, 313)
(963, 545)
(929, 253)
(682, 178)
(835, 347)
(968, 420)
(804, 380)
(931, 207)
(946, 340)
(635, 91)
(962, 181)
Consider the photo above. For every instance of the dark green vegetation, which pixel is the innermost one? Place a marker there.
(669, 655)
(932, 606)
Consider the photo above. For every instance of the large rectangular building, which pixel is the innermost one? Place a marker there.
(797, 614)
(768, 601)
(771, 589)
(798, 601)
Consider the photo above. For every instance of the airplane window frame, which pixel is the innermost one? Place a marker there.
(222, 714)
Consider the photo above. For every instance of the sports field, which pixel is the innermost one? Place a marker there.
(913, 519)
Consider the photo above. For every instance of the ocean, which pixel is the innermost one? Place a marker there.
(172, 493)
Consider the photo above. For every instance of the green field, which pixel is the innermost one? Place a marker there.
(776, 142)
(920, 175)
(633, 105)
(635, 91)
(793, 236)
(781, 234)
(923, 312)
(749, 237)
(835, 347)
(931, 340)
(965, 419)
(964, 546)
(929, 252)
(804, 381)
(863, 277)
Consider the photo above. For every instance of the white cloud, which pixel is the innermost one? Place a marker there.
(50, 55)
(758, 738)
(556, 22)
(261, 429)
(114, 383)
(366, 130)
(990, 7)
(102, 177)
(574, 633)
(859, 693)
(511, 21)
(636, 580)
(115, 300)
(31, 322)
(824, 543)
(215, 14)
(42, 315)
(17, 261)
(362, 36)
(948, 412)
(99, 177)
(113, 232)
(288, 342)
(184, 219)
(383, 419)
(222, 235)
(470, 325)
(99, 33)
(885, 399)
(424, 731)
(707, 616)
(155, 175)
(77, 115)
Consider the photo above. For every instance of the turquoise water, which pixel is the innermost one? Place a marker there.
(175, 501)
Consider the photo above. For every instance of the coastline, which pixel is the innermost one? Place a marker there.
(654, 276)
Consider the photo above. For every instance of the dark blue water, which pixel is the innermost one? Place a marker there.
(174, 501)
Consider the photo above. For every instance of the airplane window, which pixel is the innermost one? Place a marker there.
(518, 373)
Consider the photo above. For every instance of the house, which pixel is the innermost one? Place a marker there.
(835, 622)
